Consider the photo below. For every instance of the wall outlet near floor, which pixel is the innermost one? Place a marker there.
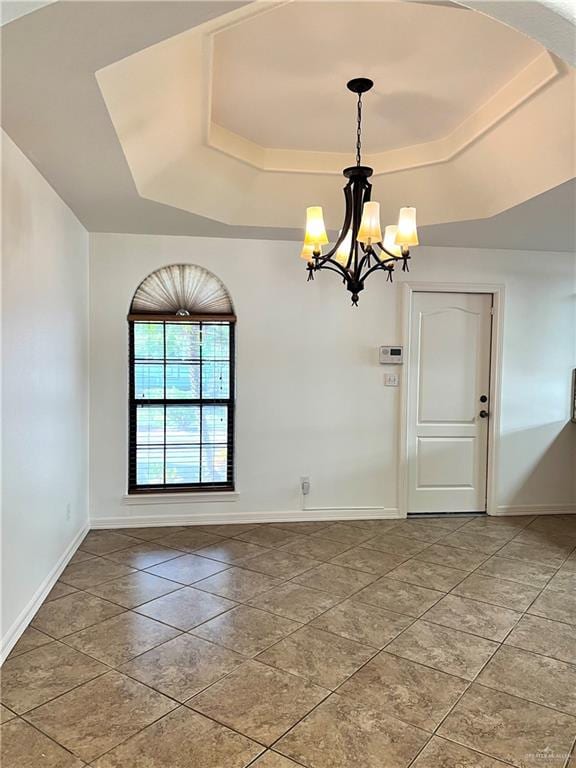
(390, 379)
(305, 485)
(68, 511)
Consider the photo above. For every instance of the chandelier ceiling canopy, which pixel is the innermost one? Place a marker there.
(360, 249)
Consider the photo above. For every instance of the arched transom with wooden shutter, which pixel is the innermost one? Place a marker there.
(181, 402)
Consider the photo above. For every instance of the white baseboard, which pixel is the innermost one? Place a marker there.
(206, 518)
(536, 509)
(194, 517)
(11, 637)
(138, 499)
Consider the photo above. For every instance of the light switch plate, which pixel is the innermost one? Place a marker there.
(390, 379)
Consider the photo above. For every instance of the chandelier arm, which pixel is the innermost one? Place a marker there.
(365, 197)
(391, 255)
(338, 268)
(351, 254)
(381, 265)
(361, 194)
(367, 251)
(367, 191)
(348, 202)
(365, 259)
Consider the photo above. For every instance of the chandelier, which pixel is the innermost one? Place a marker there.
(360, 249)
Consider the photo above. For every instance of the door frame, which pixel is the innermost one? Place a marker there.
(408, 289)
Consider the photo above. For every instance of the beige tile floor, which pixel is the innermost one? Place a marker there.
(438, 643)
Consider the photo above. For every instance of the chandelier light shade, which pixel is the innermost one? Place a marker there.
(342, 254)
(315, 229)
(307, 252)
(407, 234)
(360, 250)
(390, 245)
(370, 231)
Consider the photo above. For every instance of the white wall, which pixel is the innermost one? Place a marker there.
(310, 395)
(45, 387)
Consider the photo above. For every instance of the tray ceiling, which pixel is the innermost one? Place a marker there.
(227, 119)
(278, 77)
(257, 69)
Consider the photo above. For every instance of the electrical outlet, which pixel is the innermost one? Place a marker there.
(305, 485)
(390, 379)
(68, 511)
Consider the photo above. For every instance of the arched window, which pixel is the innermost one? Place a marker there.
(181, 326)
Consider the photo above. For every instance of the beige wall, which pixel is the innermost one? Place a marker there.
(45, 387)
(310, 393)
(302, 353)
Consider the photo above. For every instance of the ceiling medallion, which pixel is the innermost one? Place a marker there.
(360, 248)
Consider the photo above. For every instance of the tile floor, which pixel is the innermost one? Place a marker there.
(438, 643)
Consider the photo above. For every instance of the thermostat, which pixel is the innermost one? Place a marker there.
(391, 355)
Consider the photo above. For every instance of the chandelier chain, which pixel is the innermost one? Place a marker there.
(359, 130)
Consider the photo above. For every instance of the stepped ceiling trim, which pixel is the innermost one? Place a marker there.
(517, 169)
(541, 71)
(514, 145)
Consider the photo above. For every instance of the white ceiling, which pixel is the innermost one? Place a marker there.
(10, 10)
(279, 77)
(54, 110)
(551, 22)
(160, 99)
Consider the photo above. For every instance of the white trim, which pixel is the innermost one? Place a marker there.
(535, 509)
(219, 518)
(537, 74)
(143, 499)
(12, 636)
(498, 294)
(348, 509)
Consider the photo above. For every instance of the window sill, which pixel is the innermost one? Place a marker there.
(180, 498)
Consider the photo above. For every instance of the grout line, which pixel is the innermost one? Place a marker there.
(253, 738)
(294, 725)
(47, 736)
(530, 701)
(343, 599)
(88, 626)
(105, 672)
(112, 668)
(273, 752)
(500, 645)
(248, 658)
(455, 743)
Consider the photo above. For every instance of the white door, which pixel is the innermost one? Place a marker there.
(448, 407)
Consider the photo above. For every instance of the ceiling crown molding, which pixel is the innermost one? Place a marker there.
(535, 76)
(517, 144)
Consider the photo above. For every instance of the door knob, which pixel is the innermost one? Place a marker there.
(483, 414)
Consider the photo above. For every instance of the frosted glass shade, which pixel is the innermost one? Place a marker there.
(390, 242)
(307, 253)
(315, 229)
(407, 233)
(370, 231)
(343, 251)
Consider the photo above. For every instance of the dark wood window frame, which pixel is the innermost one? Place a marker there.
(135, 403)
